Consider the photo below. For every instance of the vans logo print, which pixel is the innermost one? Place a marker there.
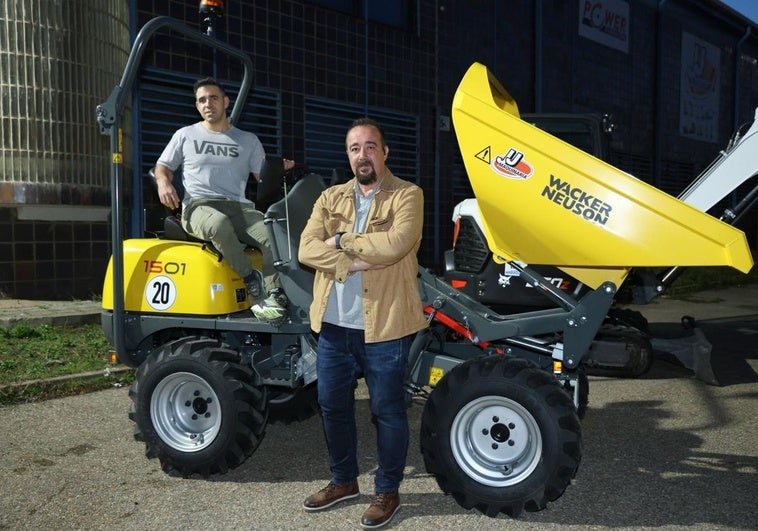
(219, 149)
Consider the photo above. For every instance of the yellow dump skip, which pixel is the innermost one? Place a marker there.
(544, 201)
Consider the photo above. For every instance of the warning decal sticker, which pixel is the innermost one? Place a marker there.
(484, 155)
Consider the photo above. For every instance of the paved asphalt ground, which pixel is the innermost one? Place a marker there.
(665, 451)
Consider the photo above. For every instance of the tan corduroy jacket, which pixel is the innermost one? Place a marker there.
(391, 301)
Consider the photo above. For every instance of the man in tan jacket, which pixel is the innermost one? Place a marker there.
(362, 239)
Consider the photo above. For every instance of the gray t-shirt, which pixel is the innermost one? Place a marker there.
(214, 165)
(345, 304)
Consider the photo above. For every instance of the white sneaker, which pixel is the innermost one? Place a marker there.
(273, 309)
(255, 285)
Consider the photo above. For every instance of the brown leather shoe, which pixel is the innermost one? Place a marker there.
(382, 509)
(330, 495)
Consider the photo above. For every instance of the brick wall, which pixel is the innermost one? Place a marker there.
(52, 260)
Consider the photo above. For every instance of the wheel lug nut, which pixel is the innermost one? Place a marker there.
(494, 446)
(194, 417)
(188, 403)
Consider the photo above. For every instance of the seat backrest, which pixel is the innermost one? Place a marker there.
(172, 224)
(173, 230)
(301, 198)
(296, 279)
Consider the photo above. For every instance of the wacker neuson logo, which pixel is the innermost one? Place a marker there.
(577, 201)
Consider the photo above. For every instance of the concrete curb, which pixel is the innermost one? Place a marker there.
(55, 313)
(61, 320)
(106, 373)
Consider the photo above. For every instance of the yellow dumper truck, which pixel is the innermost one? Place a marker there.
(500, 428)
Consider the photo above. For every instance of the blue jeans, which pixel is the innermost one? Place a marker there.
(343, 356)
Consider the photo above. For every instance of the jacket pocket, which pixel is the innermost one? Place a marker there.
(380, 224)
(336, 222)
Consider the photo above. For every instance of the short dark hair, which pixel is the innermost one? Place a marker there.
(369, 122)
(208, 81)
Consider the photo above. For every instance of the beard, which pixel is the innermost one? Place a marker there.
(365, 178)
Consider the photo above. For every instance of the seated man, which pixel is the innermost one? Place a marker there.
(216, 160)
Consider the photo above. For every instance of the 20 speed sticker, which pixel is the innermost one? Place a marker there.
(160, 293)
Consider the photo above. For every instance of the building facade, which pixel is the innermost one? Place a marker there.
(678, 77)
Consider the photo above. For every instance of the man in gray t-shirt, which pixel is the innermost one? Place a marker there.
(217, 160)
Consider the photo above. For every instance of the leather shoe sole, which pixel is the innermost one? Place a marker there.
(373, 517)
(312, 504)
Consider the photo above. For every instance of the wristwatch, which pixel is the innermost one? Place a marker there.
(337, 238)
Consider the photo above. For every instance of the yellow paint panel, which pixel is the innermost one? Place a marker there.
(435, 375)
(544, 201)
(167, 276)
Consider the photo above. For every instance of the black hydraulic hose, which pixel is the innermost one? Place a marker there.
(733, 215)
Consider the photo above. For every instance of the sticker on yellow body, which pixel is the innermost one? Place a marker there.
(435, 375)
(160, 293)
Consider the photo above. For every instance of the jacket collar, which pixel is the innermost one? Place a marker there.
(389, 184)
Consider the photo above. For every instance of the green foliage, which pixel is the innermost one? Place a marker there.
(28, 353)
(34, 353)
(21, 331)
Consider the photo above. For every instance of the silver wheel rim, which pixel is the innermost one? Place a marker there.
(186, 412)
(496, 441)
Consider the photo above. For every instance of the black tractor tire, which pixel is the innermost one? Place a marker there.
(196, 407)
(644, 349)
(637, 341)
(501, 435)
(627, 317)
(293, 405)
